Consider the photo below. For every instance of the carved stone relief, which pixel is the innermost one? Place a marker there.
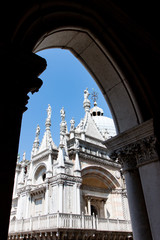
(136, 154)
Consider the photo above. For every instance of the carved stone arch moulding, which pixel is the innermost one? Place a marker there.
(101, 172)
(38, 169)
(41, 164)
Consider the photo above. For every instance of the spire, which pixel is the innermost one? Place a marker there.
(63, 125)
(18, 158)
(77, 167)
(61, 166)
(86, 102)
(22, 172)
(72, 122)
(72, 128)
(36, 142)
(48, 119)
(63, 131)
(47, 141)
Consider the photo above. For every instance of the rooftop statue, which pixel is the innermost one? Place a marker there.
(86, 94)
(76, 145)
(62, 112)
(37, 131)
(72, 122)
(86, 102)
(24, 156)
(49, 112)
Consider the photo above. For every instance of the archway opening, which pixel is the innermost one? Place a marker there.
(102, 68)
(94, 210)
(64, 82)
(118, 86)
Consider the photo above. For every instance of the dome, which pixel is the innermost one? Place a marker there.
(105, 126)
(103, 123)
(96, 111)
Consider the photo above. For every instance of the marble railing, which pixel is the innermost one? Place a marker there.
(69, 221)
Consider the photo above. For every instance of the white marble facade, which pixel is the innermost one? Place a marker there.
(77, 177)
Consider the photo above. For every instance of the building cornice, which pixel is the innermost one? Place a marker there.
(62, 177)
(43, 154)
(130, 136)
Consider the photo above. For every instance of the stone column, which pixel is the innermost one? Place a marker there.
(19, 207)
(105, 209)
(15, 181)
(149, 169)
(78, 195)
(27, 204)
(138, 212)
(29, 180)
(20, 71)
(47, 199)
(89, 205)
(49, 164)
(60, 196)
(125, 149)
(141, 144)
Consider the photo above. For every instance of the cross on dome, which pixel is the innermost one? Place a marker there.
(94, 96)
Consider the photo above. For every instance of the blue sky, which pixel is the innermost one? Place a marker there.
(64, 82)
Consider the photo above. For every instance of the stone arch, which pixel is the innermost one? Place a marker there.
(98, 62)
(39, 171)
(102, 174)
(79, 31)
(97, 184)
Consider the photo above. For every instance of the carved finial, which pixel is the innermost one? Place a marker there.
(72, 122)
(36, 141)
(18, 158)
(62, 112)
(48, 119)
(37, 131)
(94, 96)
(82, 124)
(24, 156)
(86, 102)
(63, 125)
(49, 110)
(77, 167)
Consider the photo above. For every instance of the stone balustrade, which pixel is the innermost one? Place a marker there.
(67, 221)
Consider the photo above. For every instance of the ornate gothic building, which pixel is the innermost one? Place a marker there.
(74, 191)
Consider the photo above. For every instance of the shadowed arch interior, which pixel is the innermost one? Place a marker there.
(102, 68)
(99, 177)
(40, 174)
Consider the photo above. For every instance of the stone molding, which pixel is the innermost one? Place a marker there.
(135, 147)
(62, 177)
(98, 160)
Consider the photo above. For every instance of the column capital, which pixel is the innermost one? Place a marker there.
(125, 156)
(134, 147)
(146, 151)
(136, 154)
